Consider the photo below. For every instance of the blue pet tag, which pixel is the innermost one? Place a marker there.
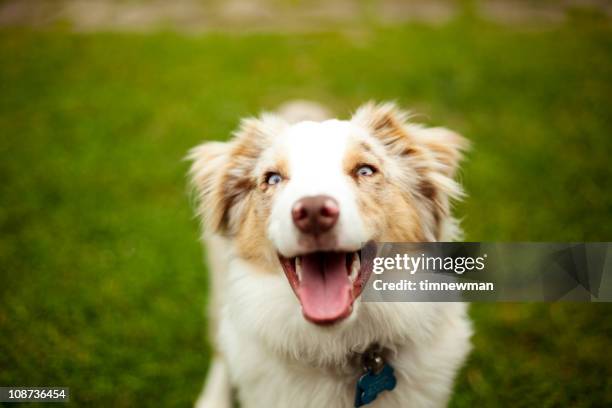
(379, 377)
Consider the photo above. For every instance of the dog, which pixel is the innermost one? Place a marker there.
(286, 206)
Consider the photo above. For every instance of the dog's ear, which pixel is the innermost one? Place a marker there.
(445, 146)
(223, 173)
(386, 122)
(439, 148)
(428, 159)
(208, 162)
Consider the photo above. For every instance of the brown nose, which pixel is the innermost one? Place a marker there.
(316, 214)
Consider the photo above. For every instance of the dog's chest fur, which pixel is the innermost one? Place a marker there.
(277, 359)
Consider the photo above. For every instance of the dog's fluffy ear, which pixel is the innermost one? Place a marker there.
(441, 148)
(208, 162)
(446, 147)
(386, 122)
(223, 173)
(429, 158)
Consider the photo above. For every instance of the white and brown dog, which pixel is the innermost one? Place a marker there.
(287, 205)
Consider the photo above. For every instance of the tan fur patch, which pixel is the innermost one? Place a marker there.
(390, 215)
(386, 122)
(224, 176)
(251, 241)
(387, 211)
(429, 157)
(359, 153)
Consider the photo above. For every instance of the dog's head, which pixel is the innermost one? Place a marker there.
(304, 198)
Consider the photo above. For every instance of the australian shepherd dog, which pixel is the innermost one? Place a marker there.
(287, 205)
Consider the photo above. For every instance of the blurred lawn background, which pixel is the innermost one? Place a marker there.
(102, 285)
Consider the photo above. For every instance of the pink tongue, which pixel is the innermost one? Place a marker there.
(325, 289)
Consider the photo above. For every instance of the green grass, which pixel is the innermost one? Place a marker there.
(102, 286)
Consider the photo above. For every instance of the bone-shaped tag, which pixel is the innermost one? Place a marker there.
(371, 384)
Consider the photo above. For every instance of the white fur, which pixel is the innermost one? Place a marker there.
(314, 152)
(277, 359)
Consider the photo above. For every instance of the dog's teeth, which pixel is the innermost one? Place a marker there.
(298, 267)
(355, 266)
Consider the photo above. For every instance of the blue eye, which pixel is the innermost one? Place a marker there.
(273, 178)
(365, 171)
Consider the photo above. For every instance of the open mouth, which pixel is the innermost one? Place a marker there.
(326, 283)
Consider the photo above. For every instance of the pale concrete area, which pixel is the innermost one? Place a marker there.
(272, 15)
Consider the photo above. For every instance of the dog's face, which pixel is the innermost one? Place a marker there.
(304, 199)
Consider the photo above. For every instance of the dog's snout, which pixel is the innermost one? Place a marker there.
(316, 214)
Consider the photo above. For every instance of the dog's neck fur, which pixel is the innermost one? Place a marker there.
(279, 327)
